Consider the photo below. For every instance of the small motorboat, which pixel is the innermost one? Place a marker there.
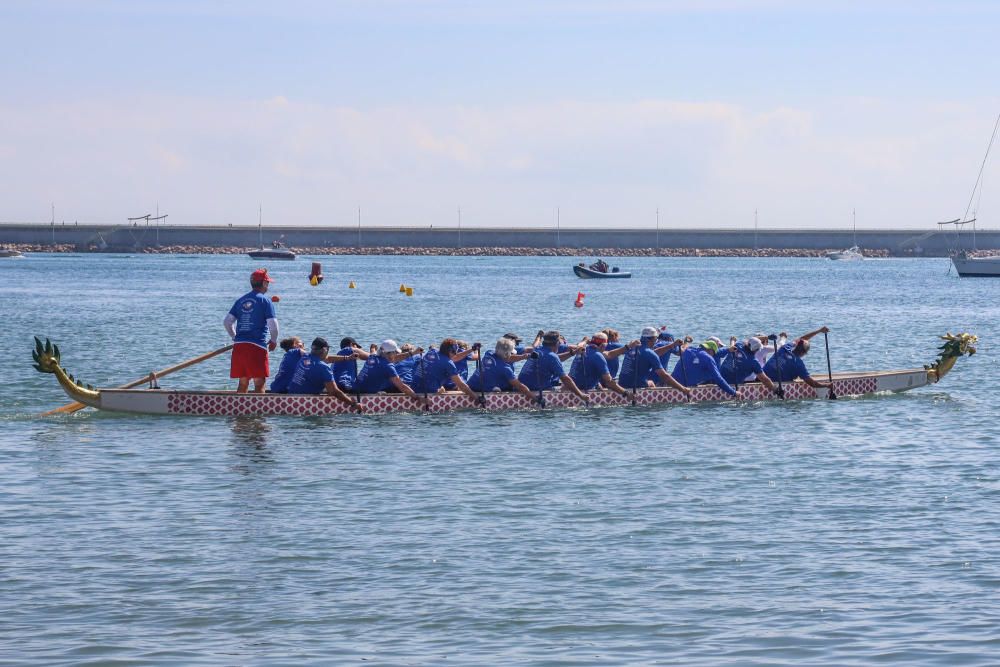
(276, 251)
(852, 254)
(10, 252)
(599, 269)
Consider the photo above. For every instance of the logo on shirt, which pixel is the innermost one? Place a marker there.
(248, 305)
(307, 363)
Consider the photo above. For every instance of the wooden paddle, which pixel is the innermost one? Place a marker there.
(70, 408)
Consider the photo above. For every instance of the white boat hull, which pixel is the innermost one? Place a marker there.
(976, 266)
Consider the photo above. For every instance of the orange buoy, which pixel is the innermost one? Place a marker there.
(275, 299)
(409, 291)
(351, 285)
(579, 299)
(316, 275)
(402, 288)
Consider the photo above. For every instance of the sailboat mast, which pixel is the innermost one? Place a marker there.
(260, 228)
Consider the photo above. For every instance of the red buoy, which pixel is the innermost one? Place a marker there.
(579, 299)
(316, 275)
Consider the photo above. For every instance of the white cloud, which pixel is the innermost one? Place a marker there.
(608, 164)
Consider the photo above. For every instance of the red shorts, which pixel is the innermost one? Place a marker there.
(249, 361)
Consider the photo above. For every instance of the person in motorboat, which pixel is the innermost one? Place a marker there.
(697, 366)
(738, 362)
(436, 367)
(253, 326)
(600, 266)
(544, 369)
(378, 374)
(590, 365)
(496, 372)
(314, 376)
(786, 364)
(642, 368)
(294, 349)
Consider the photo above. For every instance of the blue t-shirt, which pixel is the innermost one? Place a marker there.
(543, 372)
(375, 376)
(613, 364)
(588, 368)
(463, 369)
(406, 366)
(345, 372)
(496, 375)
(252, 311)
(791, 366)
(279, 385)
(666, 339)
(640, 364)
(697, 366)
(739, 365)
(310, 376)
(432, 372)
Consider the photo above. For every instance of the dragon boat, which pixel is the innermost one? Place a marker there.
(157, 401)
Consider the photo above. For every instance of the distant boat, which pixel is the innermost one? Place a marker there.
(976, 267)
(593, 272)
(278, 250)
(10, 252)
(965, 264)
(853, 253)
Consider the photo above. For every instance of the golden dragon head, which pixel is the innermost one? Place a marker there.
(47, 359)
(955, 346)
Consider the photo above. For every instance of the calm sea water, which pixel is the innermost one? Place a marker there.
(838, 532)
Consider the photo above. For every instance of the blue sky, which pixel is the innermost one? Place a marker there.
(607, 111)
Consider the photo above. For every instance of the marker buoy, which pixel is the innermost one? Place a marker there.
(350, 285)
(579, 299)
(402, 288)
(316, 275)
(409, 291)
(275, 299)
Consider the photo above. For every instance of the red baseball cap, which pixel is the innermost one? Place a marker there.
(260, 276)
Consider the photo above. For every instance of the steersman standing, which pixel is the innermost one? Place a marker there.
(252, 325)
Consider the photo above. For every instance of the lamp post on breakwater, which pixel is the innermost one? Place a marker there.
(657, 230)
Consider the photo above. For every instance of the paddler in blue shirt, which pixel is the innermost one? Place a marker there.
(253, 327)
(697, 365)
(378, 374)
(294, 349)
(787, 363)
(436, 367)
(642, 367)
(314, 376)
(544, 369)
(498, 371)
(345, 364)
(590, 365)
(614, 362)
(739, 361)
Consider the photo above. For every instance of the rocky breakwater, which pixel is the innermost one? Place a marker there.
(493, 251)
(483, 251)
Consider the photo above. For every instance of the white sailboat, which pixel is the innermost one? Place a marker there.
(965, 264)
(854, 252)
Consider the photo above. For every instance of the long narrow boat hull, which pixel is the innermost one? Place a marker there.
(228, 403)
